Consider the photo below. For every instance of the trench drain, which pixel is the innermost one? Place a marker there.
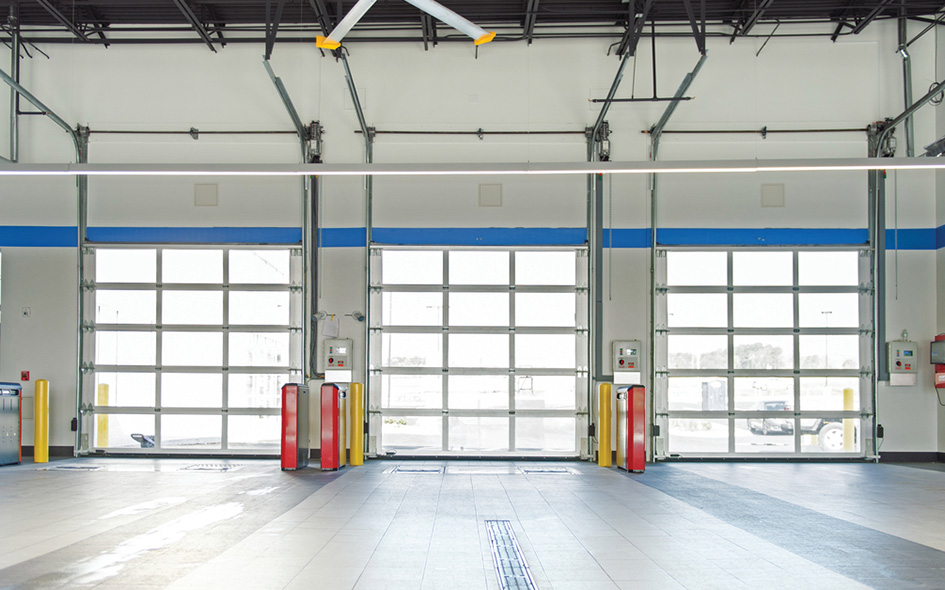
(510, 566)
(217, 467)
(72, 468)
(432, 469)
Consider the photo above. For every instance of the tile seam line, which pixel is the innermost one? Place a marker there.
(386, 529)
(578, 539)
(436, 509)
(307, 563)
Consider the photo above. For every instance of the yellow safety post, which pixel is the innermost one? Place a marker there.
(41, 423)
(343, 431)
(603, 426)
(101, 430)
(357, 424)
(849, 433)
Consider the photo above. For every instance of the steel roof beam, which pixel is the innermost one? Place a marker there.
(428, 28)
(752, 20)
(871, 16)
(697, 32)
(841, 18)
(272, 26)
(531, 17)
(634, 28)
(218, 23)
(201, 30)
(321, 14)
(100, 22)
(62, 19)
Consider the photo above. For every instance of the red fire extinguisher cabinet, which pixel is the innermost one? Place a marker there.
(333, 447)
(295, 433)
(631, 434)
(939, 368)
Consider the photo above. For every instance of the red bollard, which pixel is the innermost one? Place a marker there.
(631, 431)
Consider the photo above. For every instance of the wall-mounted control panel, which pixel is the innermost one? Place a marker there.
(903, 359)
(626, 355)
(337, 354)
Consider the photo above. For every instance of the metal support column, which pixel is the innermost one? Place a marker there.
(656, 133)
(880, 146)
(82, 221)
(906, 84)
(598, 149)
(310, 140)
(15, 41)
(368, 134)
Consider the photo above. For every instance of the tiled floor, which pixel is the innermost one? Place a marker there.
(143, 524)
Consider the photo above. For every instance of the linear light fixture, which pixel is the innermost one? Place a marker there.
(434, 9)
(476, 169)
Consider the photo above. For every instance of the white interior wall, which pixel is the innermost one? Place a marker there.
(793, 83)
(43, 280)
(940, 222)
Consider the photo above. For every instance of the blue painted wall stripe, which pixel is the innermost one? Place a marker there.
(354, 237)
(911, 239)
(342, 237)
(484, 236)
(760, 237)
(626, 238)
(38, 236)
(196, 235)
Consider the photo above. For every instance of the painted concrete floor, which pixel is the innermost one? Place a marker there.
(188, 525)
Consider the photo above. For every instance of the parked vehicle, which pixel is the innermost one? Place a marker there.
(771, 425)
(829, 431)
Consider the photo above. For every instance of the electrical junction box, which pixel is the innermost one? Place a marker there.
(626, 355)
(903, 360)
(337, 354)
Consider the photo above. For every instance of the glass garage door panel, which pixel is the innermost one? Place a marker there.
(192, 266)
(479, 392)
(123, 431)
(191, 432)
(762, 353)
(125, 307)
(698, 435)
(477, 350)
(191, 390)
(698, 352)
(478, 434)
(545, 434)
(412, 391)
(412, 433)
(257, 433)
(190, 348)
(125, 389)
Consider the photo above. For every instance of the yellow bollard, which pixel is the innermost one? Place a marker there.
(101, 431)
(604, 415)
(343, 430)
(357, 424)
(849, 431)
(41, 423)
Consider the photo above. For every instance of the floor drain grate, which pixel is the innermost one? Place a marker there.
(72, 468)
(548, 471)
(509, 562)
(212, 467)
(418, 470)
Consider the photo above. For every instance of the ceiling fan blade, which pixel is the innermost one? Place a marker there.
(440, 12)
(333, 40)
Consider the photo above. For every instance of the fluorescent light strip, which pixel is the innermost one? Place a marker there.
(440, 169)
